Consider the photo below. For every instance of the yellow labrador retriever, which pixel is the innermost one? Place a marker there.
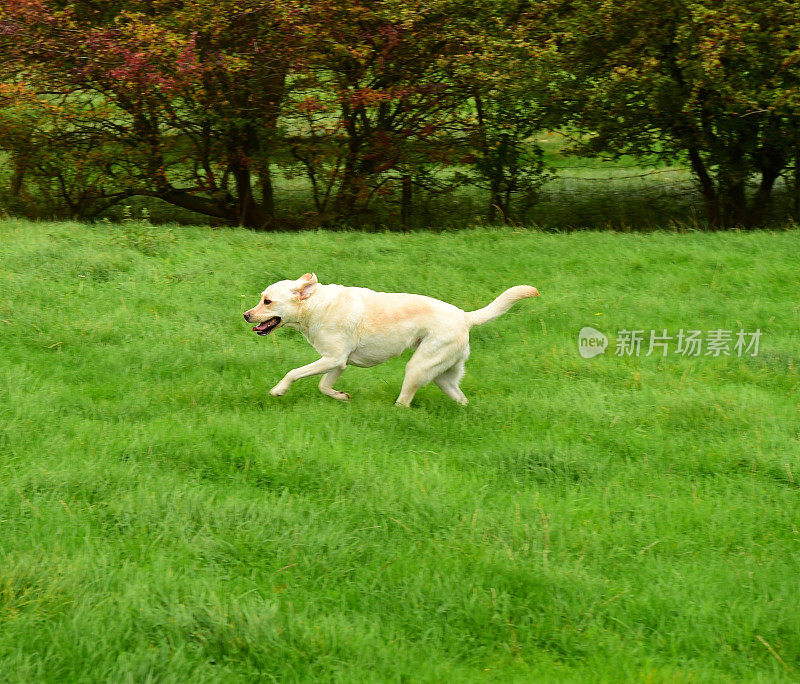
(359, 327)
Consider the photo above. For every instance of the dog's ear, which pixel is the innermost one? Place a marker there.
(305, 286)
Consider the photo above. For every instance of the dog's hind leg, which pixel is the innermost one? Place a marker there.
(430, 360)
(449, 382)
(326, 385)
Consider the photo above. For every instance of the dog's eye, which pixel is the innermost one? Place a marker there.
(267, 301)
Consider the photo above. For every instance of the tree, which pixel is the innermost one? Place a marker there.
(398, 90)
(179, 102)
(715, 83)
(376, 104)
(504, 76)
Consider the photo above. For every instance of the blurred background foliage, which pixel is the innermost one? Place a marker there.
(281, 114)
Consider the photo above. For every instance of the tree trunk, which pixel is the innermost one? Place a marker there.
(249, 213)
(797, 186)
(347, 192)
(267, 192)
(507, 203)
(734, 205)
(762, 197)
(707, 188)
(18, 175)
(186, 200)
(405, 200)
(495, 201)
(770, 161)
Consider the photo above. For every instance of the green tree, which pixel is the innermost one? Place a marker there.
(712, 82)
(504, 76)
(195, 103)
(378, 103)
(169, 100)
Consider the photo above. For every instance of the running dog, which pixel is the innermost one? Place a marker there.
(359, 327)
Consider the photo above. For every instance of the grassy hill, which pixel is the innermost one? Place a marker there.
(162, 518)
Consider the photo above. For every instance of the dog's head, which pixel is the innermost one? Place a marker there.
(281, 303)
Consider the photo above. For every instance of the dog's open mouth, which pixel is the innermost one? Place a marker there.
(268, 326)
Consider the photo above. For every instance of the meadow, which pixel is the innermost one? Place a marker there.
(621, 518)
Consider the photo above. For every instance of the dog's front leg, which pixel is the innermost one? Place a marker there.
(323, 365)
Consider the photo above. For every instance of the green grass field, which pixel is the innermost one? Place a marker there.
(162, 518)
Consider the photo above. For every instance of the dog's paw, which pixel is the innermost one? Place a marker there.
(278, 391)
(336, 394)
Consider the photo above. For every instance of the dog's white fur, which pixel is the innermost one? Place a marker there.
(359, 327)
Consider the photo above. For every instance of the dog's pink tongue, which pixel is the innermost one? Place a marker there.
(260, 326)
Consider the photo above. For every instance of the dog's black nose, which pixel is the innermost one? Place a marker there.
(247, 315)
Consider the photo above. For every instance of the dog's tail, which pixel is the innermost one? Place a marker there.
(500, 305)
